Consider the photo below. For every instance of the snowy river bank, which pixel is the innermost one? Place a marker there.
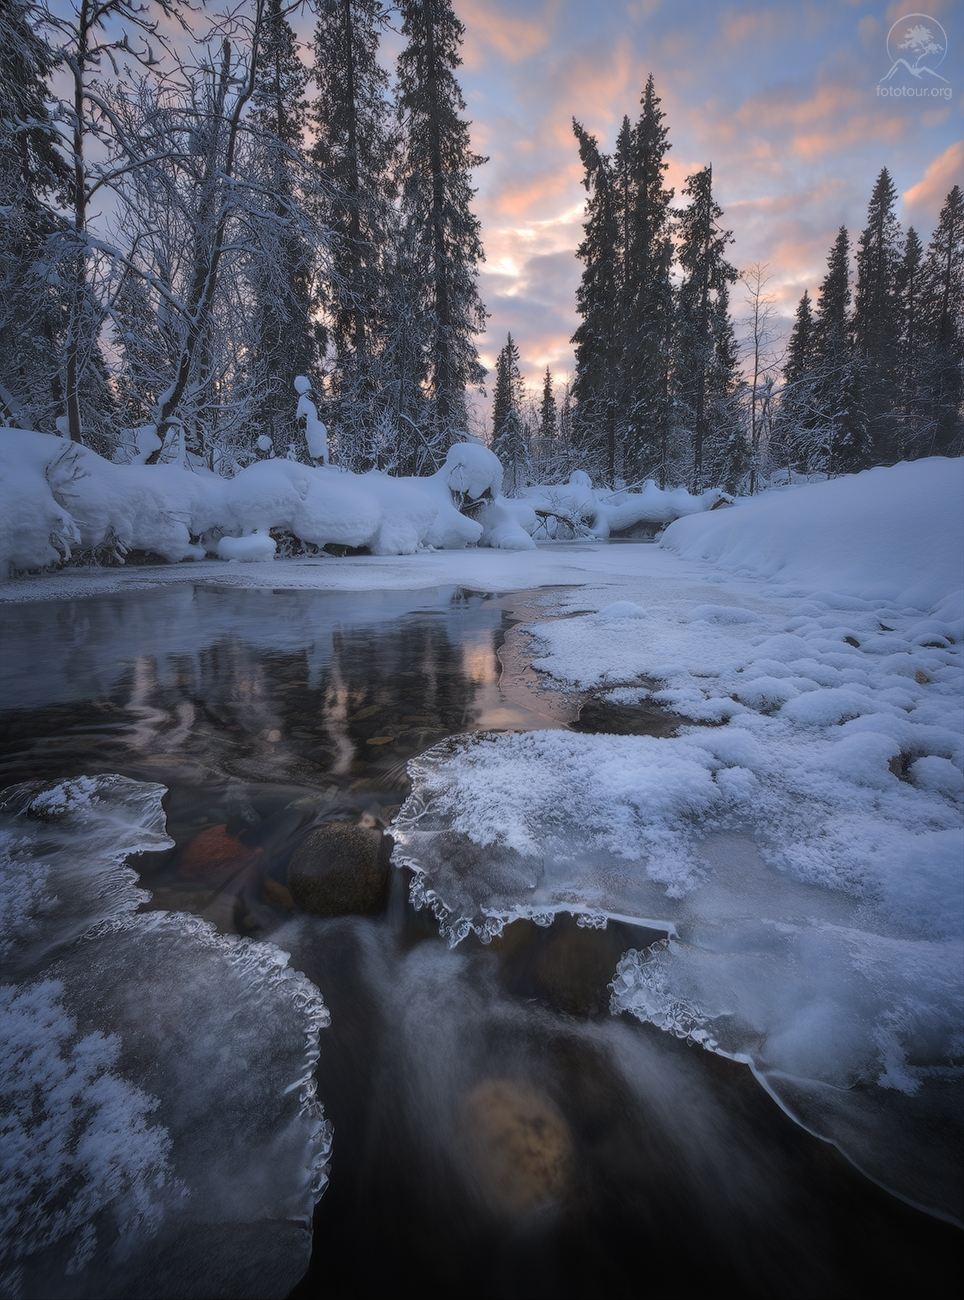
(792, 853)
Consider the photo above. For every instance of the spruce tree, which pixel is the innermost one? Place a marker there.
(705, 361)
(548, 424)
(646, 322)
(356, 152)
(832, 324)
(282, 336)
(622, 182)
(626, 300)
(509, 441)
(508, 386)
(796, 420)
(851, 447)
(597, 301)
(876, 318)
(436, 203)
(838, 392)
(942, 332)
(908, 290)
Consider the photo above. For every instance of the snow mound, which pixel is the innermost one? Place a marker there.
(891, 534)
(255, 548)
(620, 610)
(161, 1127)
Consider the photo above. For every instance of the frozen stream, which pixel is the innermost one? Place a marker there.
(496, 1130)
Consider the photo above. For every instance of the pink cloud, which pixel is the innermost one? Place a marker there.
(740, 28)
(490, 28)
(946, 171)
(522, 197)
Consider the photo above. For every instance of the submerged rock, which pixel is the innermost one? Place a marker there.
(568, 966)
(340, 869)
(215, 856)
(598, 715)
(520, 1145)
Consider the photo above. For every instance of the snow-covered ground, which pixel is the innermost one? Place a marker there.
(800, 840)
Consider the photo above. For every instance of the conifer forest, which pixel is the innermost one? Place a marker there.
(196, 209)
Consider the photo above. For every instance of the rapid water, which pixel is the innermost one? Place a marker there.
(496, 1131)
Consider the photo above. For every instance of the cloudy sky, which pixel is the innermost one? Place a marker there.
(782, 99)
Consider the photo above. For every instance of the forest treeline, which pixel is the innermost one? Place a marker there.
(194, 212)
(872, 373)
(191, 219)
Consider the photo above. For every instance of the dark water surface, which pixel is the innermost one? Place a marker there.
(497, 1132)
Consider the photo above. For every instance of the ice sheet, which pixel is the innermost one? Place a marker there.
(162, 1131)
(814, 921)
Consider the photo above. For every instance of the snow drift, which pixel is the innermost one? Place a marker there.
(893, 534)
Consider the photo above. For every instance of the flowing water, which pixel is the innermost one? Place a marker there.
(496, 1131)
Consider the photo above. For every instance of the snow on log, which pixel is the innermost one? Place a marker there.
(600, 512)
(61, 497)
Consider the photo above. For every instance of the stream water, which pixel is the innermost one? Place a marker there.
(496, 1131)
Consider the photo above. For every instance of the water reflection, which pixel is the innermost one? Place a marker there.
(188, 685)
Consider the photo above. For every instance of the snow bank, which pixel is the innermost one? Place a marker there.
(891, 534)
(156, 1077)
(601, 512)
(60, 497)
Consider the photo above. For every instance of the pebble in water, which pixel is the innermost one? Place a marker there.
(520, 1144)
(215, 856)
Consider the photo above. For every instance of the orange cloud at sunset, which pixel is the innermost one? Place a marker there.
(941, 176)
(512, 37)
